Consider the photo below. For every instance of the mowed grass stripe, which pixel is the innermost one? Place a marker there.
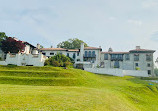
(21, 73)
(39, 81)
(34, 68)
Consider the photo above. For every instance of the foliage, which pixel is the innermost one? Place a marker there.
(137, 68)
(71, 44)
(2, 37)
(41, 46)
(0, 59)
(156, 71)
(59, 60)
(12, 45)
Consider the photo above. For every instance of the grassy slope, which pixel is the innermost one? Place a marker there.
(47, 88)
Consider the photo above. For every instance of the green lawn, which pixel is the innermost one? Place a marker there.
(49, 88)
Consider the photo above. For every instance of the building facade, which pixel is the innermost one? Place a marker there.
(137, 59)
(88, 57)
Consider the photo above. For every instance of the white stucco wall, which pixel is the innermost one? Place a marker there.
(114, 72)
(117, 72)
(130, 64)
(25, 59)
(3, 63)
(135, 73)
(97, 58)
(27, 49)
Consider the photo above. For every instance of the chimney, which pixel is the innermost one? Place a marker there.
(81, 52)
(38, 46)
(110, 50)
(137, 47)
(15, 38)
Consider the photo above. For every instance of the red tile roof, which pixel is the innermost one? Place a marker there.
(53, 49)
(114, 52)
(92, 48)
(142, 50)
(73, 50)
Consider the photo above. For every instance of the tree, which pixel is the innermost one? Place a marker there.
(156, 71)
(71, 44)
(12, 45)
(2, 37)
(59, 60)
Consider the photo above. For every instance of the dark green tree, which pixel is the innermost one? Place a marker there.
(2, 37)
(71, 44)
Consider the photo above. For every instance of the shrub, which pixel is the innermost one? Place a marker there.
(55, 63)
(67, 64)
(47, 62)
(137, 68)
(59, 60)
(156, 71)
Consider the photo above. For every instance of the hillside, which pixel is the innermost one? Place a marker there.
(49, 88)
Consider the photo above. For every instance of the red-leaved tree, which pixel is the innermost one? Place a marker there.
(11, 45)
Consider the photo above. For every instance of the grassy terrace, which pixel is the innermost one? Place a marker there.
(49, 88)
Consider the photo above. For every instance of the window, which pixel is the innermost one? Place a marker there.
(127, 57)
(67, 54)
(78, 53)
(116, 64)
(51, 53)
(74, 55)
(93, 54)
(89, 54)
(44, 53)
(136, 57)
(149, 72)
(148, 64)
(148, 57)
(136, 64)
(86, 54)
(117, 57)
(105, 56)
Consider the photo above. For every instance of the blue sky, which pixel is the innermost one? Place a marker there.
(120, 24)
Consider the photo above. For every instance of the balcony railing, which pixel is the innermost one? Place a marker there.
(116, 58)
(89, 56)
(148, 59)
(136, 59)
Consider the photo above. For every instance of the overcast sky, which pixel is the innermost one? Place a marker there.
(120, 24)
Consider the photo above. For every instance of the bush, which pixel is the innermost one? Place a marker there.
(47, 62)
(137, 68)
(55, 63)
(67, 64)
(156, 71)
(59, 60)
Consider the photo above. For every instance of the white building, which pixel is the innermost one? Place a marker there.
(83, 57)
(29, 56)
(137, 59)
(137, 62)
(92, 57)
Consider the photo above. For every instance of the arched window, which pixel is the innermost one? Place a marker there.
(89, 54)
(93, 53)
(85, 53)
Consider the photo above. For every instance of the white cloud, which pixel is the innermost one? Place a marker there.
(135, 22)
(149, 4)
